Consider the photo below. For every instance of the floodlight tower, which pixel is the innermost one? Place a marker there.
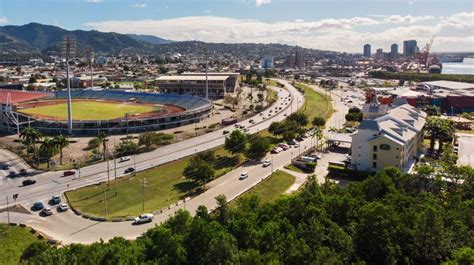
(90, 53)
(207, 67)
(68, 49)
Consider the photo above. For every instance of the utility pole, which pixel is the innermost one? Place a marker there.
(115, 174)
(105, 201)
(8, 212)
(207, 81)
(108, 166)
(143, 185)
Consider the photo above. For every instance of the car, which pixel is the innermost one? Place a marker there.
(277, 150)
(291, 142)
(225, 132)
(285, 114)
(47, 211)
(5, 166)
(251, 121)
(283, 146)
(12, 174)
(318, 156)
(241, 126)
(23, 172)
(124, 158)
(299, 139)
(261, 114)
(129, 170)
(266, 163)
(55, 200)
(69, 173)
(296, 145)
(237, 125)
(38, 206)
(28, 182)
(63, 207)
(246, 129)
(243, 175)
(144, 218)
(271, 111)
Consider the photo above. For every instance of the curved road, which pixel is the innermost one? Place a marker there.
(69, 228)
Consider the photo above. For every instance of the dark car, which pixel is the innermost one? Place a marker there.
(29, 182)
(12, 174)
(55, 200)
(225, 132)
(23, 172)
(5, 166)
(38, 206)
(129, 170)
(69, 173)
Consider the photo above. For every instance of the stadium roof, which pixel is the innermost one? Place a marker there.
(191, 78)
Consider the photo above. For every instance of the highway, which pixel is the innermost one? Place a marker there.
(69, 228)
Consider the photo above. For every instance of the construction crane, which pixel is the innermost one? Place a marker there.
(422, 56)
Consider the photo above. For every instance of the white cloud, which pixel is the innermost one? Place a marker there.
(453, 33)
(262, 2)
(3, 20)
(139, 5)
(95, 1)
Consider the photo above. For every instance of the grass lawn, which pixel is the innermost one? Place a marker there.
(272, 96)
(316, 104)
(465, 131)
(89, 110)
(272, 187)
(165, 185)
(13, 241)
(294, 168)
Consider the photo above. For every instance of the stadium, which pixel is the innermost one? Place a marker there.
(94, 111)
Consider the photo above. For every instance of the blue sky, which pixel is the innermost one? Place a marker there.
(342, 25)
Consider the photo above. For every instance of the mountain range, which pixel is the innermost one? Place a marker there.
(34, 39)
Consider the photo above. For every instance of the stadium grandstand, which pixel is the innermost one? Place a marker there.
(20, 109)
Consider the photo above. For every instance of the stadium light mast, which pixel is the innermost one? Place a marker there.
(68, 49)
(91, 57)
(207, 82)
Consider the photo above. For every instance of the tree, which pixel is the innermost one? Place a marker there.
(30, 136)
(439, 129)
(126, 147)
(199, 171)
(103, 139)
(48, 148)
(299, 117)
(432, 110)
(61, 142)
(319, 121)
(236, 142)
(258, 148)
(354, 114)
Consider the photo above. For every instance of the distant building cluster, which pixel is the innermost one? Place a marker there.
(410, 49)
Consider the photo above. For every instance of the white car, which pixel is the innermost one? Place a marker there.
(243, 175)
(47, 211)
(124, 158)
(266, 163)
(144, 218)
(63, 207)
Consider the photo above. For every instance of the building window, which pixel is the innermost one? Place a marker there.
(397, 157)
(398, 148)
(375, 148)
(385, 147)
(374, 156)
(359, 147)
(374, 164)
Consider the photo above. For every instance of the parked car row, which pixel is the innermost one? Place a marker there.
(47, 210)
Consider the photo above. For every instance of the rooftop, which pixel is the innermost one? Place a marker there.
(191, 78)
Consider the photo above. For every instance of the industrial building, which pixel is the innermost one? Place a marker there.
(392, 140)
(219, 84)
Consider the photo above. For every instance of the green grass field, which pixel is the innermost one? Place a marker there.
(272, 187)
(13, 241)
(316, 104)
(165, 186)
(89, 110)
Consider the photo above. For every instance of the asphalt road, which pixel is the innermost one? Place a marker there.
(69, 228)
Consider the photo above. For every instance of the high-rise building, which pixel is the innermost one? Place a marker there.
(291, 60)
(379, 54)
(299, 59)
(409, 48)
(367, 50)
(267, 62)
(394, 50)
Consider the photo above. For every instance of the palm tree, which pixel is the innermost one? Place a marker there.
(61, 142)
(103, 139)
(48, 148)
(30, 136)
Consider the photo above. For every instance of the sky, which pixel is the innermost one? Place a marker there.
(338, 25)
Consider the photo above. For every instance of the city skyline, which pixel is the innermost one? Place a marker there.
(343, 26)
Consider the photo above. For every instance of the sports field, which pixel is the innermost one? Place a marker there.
(89, 110)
